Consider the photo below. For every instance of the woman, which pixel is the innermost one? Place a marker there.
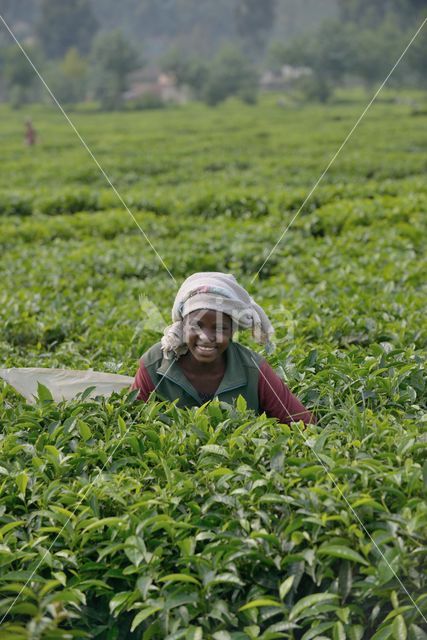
(197, 359)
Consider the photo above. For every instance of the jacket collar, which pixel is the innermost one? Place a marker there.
(234, 377)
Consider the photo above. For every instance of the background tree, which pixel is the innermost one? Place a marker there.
(188, 70)
(230, 74)
(21, 83)
(63, 25)
(329, 52)
(197, 27)
(112, 59)
(254, 20)
(203, 27)
(68, 79)
(175, 62)
(417, 58)
(18, 15)
(332, 51)
(375, 52)
(11, 10)
(370, 14)
(339, 52)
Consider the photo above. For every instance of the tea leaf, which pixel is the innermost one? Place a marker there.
(143, 615)
(308, 602)
(22, 482)
(398, 627)
(84, 430)
(179, 577)
(286, 586)
(338, 631)
(43, 393)
(318, 629)
(338, 551)
(260, 602)
(241, 404)
(215, 449)
(17, 523)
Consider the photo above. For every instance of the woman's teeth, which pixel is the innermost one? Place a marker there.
(206, 349)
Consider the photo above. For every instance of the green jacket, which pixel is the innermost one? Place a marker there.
(240, 378)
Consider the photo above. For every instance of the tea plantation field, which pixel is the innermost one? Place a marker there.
(121, 520)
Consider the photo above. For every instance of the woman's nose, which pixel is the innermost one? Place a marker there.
(210, 336)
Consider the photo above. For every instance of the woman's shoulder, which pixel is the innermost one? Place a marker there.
(249, 358)
(154, 355)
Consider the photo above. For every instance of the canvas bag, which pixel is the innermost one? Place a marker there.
(64, 384)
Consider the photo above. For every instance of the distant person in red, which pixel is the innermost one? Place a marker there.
(30, 134)
(197, 359)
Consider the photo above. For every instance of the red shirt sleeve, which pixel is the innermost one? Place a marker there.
(277, 401)
(142, 382)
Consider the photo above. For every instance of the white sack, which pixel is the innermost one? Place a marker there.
(64, 384)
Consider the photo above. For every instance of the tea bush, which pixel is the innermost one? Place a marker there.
(202, 513)
(68, 203)
(14, 205)
(123, 520)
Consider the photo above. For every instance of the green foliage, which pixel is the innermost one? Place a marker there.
(199, 26)
(353, 49)
(240, 208)
(68, 79)
(11, 11)
(230, 74)
(254, 21)
(15, 205)
(63, 25)
(203, 507)
(112, 58)
(315, 87)
(188, 70)
(125, 520)
(369, 14)
(328, 53)
(417, 57)
(21, 83)
(375, 52)
(146, 101)
(68, 202)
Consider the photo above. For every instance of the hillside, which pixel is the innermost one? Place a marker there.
(195, 26)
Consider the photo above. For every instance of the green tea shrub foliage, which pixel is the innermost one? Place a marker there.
(130, 516)
(14, 205)
(68, 203)
(123, 520)
(238, 207)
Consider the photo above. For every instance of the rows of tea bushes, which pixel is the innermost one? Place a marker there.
(121, 520)
(208, 523)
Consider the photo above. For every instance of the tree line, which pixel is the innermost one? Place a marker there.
(361, 44)
(80, 59)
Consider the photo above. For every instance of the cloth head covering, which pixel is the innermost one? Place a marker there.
(215, 291)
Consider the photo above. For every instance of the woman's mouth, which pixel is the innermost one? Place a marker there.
(206, 350)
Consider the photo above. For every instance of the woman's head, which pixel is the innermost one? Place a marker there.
(207, 334)
(221, 294)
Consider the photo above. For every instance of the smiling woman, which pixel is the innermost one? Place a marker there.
(197, 360)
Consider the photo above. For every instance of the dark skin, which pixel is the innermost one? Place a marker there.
(207, 334)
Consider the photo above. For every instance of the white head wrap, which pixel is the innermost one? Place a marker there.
(218, 292)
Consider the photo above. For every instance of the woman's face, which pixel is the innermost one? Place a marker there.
(207, 334)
